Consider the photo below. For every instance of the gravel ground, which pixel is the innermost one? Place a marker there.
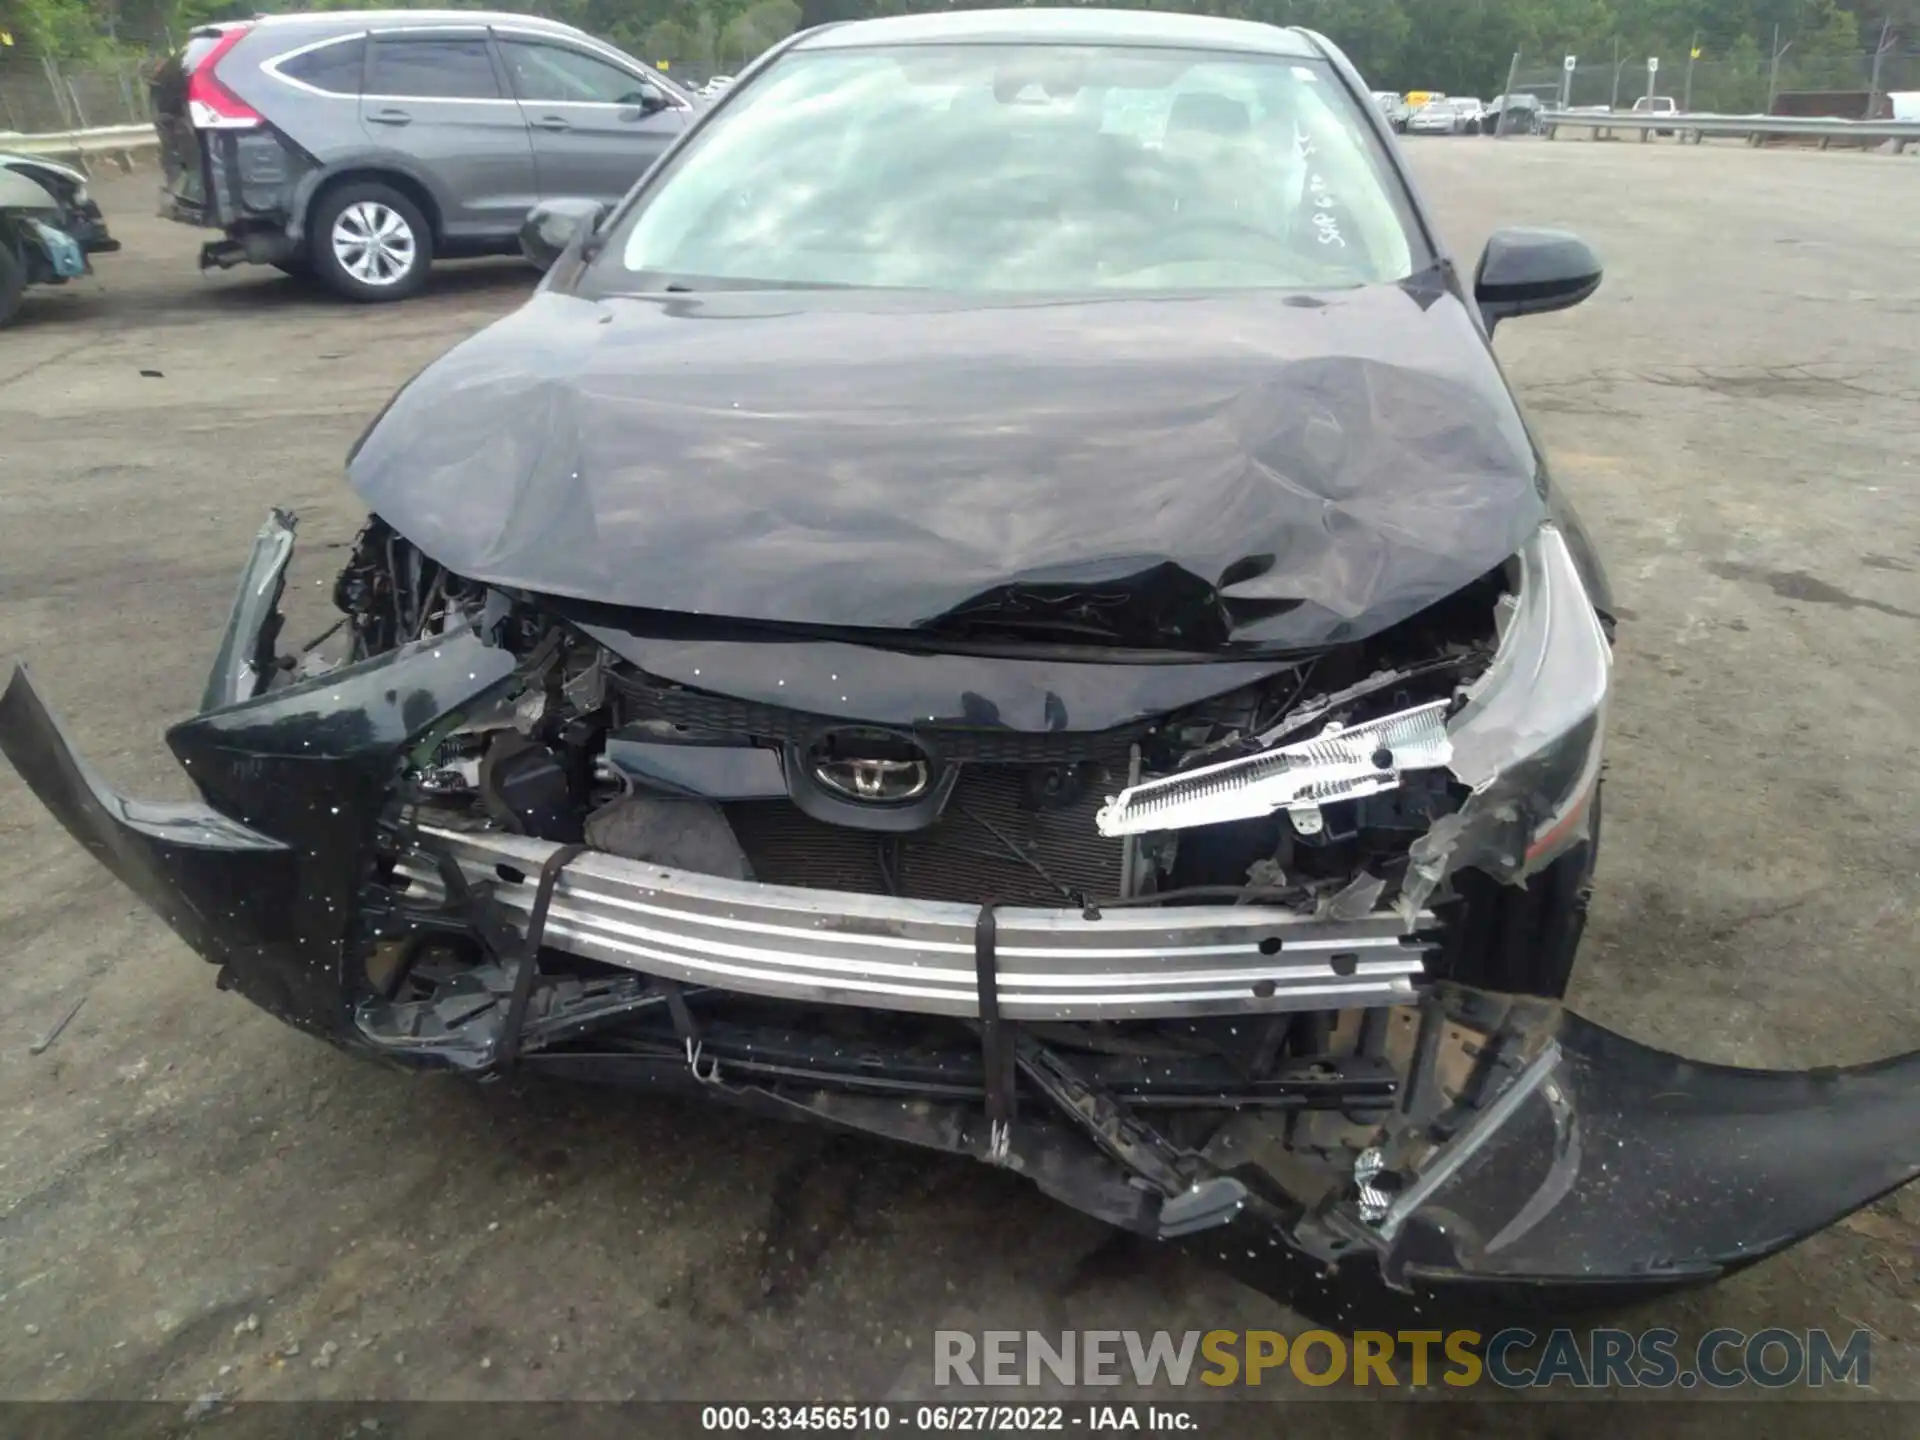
(196, 1199)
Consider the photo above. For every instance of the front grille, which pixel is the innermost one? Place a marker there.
(958, 743)
(968, 855)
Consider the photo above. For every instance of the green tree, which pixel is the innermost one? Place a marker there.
(1463, 46)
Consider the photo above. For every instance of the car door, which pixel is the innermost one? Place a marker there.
(596, 124)
(435, 96)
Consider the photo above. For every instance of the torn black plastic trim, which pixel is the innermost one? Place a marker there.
(216, 881)
(244, 662)
(1619, 1159)
(1543, 1162)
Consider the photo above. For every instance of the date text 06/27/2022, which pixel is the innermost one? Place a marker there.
(940, 1419)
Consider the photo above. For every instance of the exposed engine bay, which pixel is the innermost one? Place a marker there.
(1303, 794)
(943, 811)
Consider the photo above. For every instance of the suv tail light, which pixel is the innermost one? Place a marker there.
(212, 105)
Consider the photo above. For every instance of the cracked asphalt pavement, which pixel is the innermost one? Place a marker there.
(196, 1199)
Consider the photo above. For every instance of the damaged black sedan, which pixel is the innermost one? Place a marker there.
(1001, 600)
(49, 226)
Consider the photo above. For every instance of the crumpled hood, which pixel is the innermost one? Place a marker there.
(1265, 469)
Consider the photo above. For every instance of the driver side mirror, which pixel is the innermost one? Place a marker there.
(647, 102)
(553, 227)
(1529, 272)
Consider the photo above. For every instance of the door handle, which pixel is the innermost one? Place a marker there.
(390, 117)
(552, 122)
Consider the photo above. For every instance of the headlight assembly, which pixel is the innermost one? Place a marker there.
(1529, 735)
(1525, 737)
(1528, 738)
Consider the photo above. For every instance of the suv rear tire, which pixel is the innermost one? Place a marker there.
(368, 242)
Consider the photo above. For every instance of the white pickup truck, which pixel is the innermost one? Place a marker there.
(1656, 105)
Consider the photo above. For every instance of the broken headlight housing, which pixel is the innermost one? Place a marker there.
(1528, 736)
(1524, 737)
(1530, 731)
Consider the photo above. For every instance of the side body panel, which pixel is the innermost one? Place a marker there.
(474, 147)
(586, 148)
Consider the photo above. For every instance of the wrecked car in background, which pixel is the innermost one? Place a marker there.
(49, 225)
(951, 615)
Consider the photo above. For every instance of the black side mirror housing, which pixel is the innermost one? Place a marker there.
(1529, 272)
(553, 227)
(651, 102)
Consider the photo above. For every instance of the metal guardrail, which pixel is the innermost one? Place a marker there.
(1752, 128)
(123, 140)
(119, 141)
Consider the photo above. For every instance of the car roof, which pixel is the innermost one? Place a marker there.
(377, 19)
(1076, 26)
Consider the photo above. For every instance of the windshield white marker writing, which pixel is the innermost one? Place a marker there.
(1325, 222)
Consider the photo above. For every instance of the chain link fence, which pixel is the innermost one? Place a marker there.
(39, 94)
(1748, 82)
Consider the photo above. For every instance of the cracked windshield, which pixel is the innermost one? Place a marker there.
(984, 168)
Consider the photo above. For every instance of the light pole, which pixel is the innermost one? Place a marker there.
(1873, 90)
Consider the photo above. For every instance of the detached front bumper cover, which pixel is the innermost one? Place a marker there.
(1510, 1153)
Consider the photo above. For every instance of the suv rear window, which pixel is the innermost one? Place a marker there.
(334, 68)
(439, 69)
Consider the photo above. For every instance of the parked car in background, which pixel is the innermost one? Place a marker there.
(714, 86)
(1470, 109)
(1521, 115)
(49, 225)
(1436, 117)
(360, 146)
(1392, 108)
(1656, 105)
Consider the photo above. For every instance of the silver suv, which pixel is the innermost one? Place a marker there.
(359, 145)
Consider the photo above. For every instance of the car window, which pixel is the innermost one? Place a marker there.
(334, 68)
(982, 168)
(558, 75)
(415, 67)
